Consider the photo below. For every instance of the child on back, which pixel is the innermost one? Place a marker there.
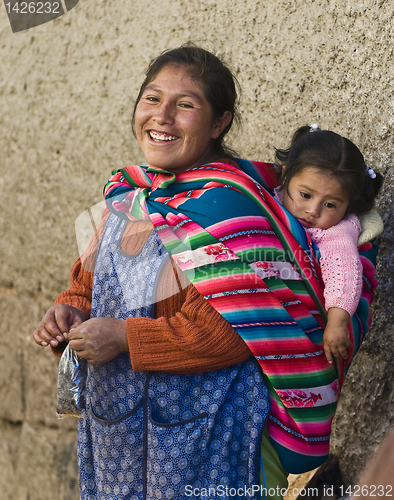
(326, 185)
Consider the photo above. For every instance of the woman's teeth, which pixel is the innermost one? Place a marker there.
(161, 137)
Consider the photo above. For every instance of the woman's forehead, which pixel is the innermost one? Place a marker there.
(180, 75)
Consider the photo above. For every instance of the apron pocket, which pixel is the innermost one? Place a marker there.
(116, 461)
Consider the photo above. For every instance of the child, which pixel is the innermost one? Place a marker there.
(326, 184)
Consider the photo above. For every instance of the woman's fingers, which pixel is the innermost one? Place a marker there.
(48, 331)
(62, 315)
(77, 342)
(75, 319)
(54, 326)
(98, 340)
(41, 337)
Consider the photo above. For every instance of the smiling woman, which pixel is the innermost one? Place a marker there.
(207, 82)
(174, 123)
(164, 365)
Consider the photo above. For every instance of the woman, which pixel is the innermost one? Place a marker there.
(165, 425)
(176, 402)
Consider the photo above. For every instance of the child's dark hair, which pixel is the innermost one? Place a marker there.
(335, 155)
(220, 86)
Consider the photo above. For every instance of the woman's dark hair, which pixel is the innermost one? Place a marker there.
(336, 156)
(220, 87)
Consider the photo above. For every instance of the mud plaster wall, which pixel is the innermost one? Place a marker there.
(66, 93)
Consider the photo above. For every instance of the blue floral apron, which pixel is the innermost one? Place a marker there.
(153, 435)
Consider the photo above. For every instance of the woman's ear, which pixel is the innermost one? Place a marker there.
(221, 123)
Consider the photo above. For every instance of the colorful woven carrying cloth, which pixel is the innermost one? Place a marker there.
(256, 265)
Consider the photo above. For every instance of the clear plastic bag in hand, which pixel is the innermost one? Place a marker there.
(71, 385)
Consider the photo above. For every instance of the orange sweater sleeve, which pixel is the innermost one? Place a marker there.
(193, 340)
(187, 334)
(79, 295)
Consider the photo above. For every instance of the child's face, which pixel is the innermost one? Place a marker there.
(315, 198)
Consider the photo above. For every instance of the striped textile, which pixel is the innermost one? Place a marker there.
(256, 265)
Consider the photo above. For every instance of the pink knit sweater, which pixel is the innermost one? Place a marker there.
(339, 261)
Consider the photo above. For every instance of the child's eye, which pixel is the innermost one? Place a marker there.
(330, 205)
(307, 196)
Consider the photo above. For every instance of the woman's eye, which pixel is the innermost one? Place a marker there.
(305, 195)
(151, 98)
(186, 105)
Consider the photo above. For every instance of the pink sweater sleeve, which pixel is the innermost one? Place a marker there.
(340, 263)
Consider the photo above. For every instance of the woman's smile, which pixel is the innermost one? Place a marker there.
(161, 136)
(174, 121)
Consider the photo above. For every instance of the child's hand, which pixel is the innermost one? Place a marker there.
(336, 334)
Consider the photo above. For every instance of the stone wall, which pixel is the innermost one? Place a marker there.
(66, 93)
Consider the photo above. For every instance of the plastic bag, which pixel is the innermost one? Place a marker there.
(71, 385)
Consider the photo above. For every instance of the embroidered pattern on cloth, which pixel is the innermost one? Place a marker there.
(316, 396)
(190, 259)
(282, 270)
(278, 318)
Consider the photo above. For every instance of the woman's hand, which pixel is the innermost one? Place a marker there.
(336, 334)
(57, 322)
(98, 340)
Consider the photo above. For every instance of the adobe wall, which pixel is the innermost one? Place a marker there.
(66, 93)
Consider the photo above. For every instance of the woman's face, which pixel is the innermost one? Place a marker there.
(174, 123)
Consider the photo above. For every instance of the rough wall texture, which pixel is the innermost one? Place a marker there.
(66, 93)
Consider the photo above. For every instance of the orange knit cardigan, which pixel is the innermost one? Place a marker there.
(186, 335)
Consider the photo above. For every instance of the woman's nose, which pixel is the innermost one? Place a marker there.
(164, 113)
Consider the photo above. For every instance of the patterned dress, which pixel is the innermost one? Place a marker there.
(153, 435)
